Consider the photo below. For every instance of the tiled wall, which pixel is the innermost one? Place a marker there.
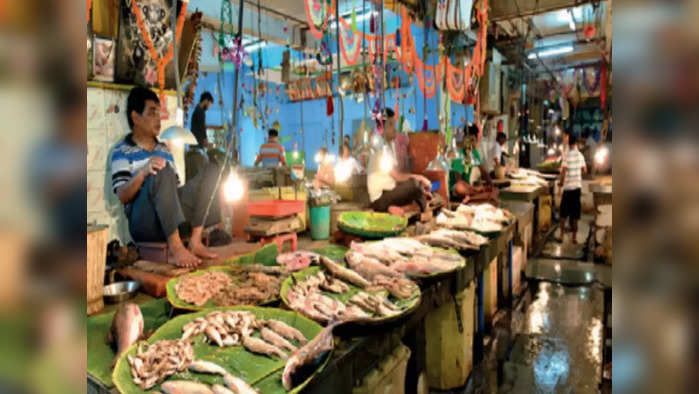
(106, 126)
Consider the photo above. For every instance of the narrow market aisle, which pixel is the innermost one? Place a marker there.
(557, 340)
(551, 341)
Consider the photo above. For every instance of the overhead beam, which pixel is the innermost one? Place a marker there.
(300, 40)
(511, 9)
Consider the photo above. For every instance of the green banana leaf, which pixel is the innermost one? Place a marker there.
(333, 252)
(267, 255)
(371, 224)
(262, 372)
(100, 354)
(407, 305)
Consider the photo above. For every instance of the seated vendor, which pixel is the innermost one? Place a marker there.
(347, 166)
(272, 152)
(325, 177)
(464, 170)
(390, 189)
(145, 180)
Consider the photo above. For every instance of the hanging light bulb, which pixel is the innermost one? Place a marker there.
(233, 187)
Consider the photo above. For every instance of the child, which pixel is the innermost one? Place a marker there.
(572, 169)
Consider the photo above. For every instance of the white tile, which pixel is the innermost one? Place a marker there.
(95, 108)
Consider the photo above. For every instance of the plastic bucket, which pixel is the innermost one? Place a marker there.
(320, 222)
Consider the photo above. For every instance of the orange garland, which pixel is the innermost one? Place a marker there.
(457, 79)
(161, 62)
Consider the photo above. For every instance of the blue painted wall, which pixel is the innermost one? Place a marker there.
(317, 125)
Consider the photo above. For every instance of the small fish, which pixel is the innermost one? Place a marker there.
(238, 385)
(185, 387)
(256, 345)
(286, 331)
(218, 389)
(126, 329)
(343, 273)
(353, 313)
(323, 342)
(367, 266)
(444, 241)
(207, 367)
(276, 339)
(214, 335)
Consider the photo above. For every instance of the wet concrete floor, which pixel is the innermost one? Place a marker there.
(551, 340)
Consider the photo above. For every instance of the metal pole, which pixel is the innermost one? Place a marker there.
(339, 96)
(175, 60)
(383, 65)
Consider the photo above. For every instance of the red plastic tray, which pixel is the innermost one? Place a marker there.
(276, 208)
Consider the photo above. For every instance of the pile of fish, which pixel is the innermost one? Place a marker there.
(295, 261)
(308, 296)
(253, 285)
(236, 328)
(198, 289)
(158, 361)
(525, 176)
(405, 256)
(447, 238)
(233, 384)
(483, 218)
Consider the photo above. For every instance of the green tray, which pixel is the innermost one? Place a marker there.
(267, 255)
(262, 372)
(100, 354)
(369, 224)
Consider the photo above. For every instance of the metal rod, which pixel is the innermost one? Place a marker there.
(382, 53)
(275, 12)
(339, 83)
(175, 60)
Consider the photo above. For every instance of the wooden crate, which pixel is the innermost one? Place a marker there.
(448, 351)
(544, 219)
(490, 291)
(389, 376)
(97, 238)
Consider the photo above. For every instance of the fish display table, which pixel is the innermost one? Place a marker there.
(532, 195)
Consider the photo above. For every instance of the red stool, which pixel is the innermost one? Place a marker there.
(280, 239)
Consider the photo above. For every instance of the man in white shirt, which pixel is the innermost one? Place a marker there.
(572, 169)
(389, 189)
(498, 154)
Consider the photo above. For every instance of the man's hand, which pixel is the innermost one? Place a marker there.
(424, 181)
(154, 164)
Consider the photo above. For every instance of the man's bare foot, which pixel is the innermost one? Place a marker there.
(394, 210)
(201, 251)
(182, 257)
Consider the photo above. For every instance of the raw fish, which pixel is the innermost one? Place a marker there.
(238, 385)
(202, 366)
(185, 387)
(343, 273)
(126, 329)
(256, 345)
(367, 266)
(286, 331)
(276, 339)
(323, 342)
(218, 389)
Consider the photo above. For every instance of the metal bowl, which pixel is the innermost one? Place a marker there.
(120, 291)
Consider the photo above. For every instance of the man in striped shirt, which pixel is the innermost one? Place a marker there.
(572, 169)
(272, 153)
(145, 180)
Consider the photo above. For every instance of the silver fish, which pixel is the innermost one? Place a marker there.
(185, 387)
(368, 266)
(238, 385)
(206, 367)
(286, 331)
(214, 335)
(276, 339)
(343, 273)
(218, 389)
(321, 343)
(126, 329)
(256, 345)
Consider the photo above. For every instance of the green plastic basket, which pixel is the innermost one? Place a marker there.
(369, 224)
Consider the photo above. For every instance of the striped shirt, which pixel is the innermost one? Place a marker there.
(128, 158)
(573, 162)
(271, 154)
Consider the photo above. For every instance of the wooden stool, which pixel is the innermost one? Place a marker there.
(280, 239)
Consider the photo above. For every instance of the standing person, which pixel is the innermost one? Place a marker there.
(572, 169)
(145, 180)
(390, 189)
(272, 152)
(198, 123)
(498, 154)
